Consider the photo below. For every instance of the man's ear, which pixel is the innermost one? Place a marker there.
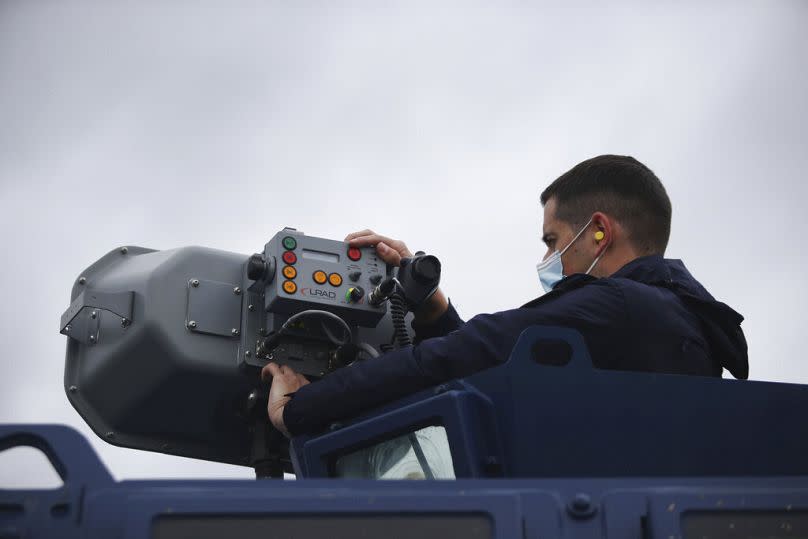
(603, 232)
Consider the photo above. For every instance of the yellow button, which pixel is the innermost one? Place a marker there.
(335, 279)
(289, 287)
(289, 272)
(319, 277)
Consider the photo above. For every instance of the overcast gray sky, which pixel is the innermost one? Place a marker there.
(218, 123)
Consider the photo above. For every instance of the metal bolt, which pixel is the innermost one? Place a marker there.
(237, 291)
(124, 322)
(94, 314)
(73, 389)
(250, 307)
(192, 324)
(581, 506)
(234, 332)
(247, 353)
(68, 328)
(194, 282)
(92, 339)
(124, 250)
(82, 280)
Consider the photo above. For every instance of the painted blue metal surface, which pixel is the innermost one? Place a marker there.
(537, 420)
(91, 505)
(540, 451)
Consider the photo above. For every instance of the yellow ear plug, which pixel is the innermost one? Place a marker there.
(599, 235)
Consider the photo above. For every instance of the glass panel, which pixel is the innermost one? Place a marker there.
(423, 454)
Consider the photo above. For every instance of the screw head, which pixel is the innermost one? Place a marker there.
(234, 332)
(194, 282)
(82, 280)
(192, 324)
(73, 389)
(124, 250)
(68, 328)
(94, 314)
(250, 307)
(237, 291)
(581, 506)
(124, 322)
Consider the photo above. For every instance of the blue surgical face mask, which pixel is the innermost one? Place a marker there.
(551, 270)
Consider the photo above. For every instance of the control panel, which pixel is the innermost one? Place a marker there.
(317, 273)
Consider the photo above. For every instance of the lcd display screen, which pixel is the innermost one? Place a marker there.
(320, 255)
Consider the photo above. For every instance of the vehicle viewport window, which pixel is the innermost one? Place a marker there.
(423, 454)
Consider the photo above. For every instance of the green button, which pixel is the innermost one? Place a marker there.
(289, 242)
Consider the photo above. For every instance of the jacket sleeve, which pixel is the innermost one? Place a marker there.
(443, 325)
(484, 341)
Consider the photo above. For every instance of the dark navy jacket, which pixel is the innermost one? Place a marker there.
(651, 315)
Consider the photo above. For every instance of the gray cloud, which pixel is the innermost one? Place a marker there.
(169, 125)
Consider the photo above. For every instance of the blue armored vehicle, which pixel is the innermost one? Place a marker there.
(163, 354)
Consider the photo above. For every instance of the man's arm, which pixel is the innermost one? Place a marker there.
(484, 341)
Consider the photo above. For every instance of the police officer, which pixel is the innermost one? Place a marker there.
(606, 227)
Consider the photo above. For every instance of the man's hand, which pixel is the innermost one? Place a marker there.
(392, 251)
(284, 381)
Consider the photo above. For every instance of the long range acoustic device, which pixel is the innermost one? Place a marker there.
(165, 347)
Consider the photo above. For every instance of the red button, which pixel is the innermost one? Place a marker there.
(354, 253)
(289, 257)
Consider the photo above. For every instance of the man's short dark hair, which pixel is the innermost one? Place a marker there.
(621, 187)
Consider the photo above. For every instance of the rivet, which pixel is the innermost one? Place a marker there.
(194, 282)
(68, 328)
(237, 291)
(581, 506)
(247, 353)
(250, 307)
(124, 250)
(234, 332)
(82, 280)
(124, 322)
(192, 324)
(94, 314)
(73, 389)
(92, 338)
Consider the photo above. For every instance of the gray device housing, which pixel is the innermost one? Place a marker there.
(331, 257)
(161, 347)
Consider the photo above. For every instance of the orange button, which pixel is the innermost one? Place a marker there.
(289, 287)
(289, 272)
(319, 277)
(335, 279)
